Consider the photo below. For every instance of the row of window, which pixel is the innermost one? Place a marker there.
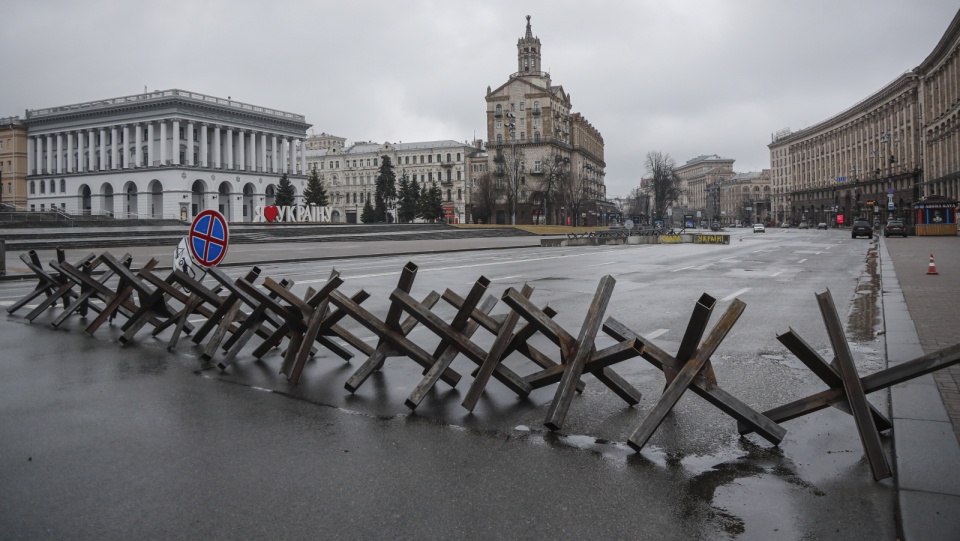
(536, 107)
(356, 197)
(43, 186)
(372, 162)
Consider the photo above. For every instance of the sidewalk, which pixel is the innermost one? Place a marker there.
(920, 316)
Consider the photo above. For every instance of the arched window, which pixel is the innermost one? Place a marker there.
(63, 186)
(33, 187)
(499, 138)
(448, 157)
(459, 194)
(449, 194)
(499, 109)
(43, 187)
(536, 137)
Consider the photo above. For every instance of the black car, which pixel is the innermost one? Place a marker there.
(861, 228)
(895, 228)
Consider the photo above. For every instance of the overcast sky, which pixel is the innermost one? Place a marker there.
(680, 77)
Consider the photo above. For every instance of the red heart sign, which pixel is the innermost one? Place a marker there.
(270, 213)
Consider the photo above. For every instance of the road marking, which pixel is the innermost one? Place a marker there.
(735, 294)
(802, 260)
(6, 303)
(683, 268)
(653, 334)
(504, 278)
(778, 273)
(602, 264)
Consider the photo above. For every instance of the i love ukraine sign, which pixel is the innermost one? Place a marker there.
(275, 214)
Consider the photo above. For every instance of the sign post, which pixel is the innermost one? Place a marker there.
(208, 238)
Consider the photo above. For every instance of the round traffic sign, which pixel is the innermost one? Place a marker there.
(209, 237)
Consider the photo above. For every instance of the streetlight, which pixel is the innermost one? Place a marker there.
(512, 128)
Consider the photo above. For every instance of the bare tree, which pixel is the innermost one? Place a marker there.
(510, 176)
(638, 205)
(485, 197)
(556, 174)
(665, 182)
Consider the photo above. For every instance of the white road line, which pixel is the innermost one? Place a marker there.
(653, 334)
(735, 294)
(505, 278)
(778, 273)
(6, 303)
(602, 264)
(683, 268)
(802, 260)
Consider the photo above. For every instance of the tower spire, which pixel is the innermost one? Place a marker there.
(529, 30)
(528, 53)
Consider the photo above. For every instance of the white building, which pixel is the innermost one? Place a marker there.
(350, 175)
(165, 154)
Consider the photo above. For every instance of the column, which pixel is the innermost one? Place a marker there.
(163, 142)
(190, 128)
(70, 136)
(229, 148)
(151, 149)
(291, 161)
(263, 152)
(91, 155)
(37, 154)
(50, 152)
(113, 149)
(139, 149)
(241, 157)
(216, 147)
(203, 145)
(303, 158)
(275, 165)
(31, 153)
(253, 151)
(59, 161)
(103, 149)
(175, 142)
(126, 146)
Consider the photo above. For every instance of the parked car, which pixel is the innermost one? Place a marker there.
(861, 227)
(785, 224)
(895, 228)
(804, 225)
(758, 228)
(822, 225)
(715, 226)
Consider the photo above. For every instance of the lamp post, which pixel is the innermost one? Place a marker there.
(512, 127)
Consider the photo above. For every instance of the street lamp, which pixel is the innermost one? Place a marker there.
(512, 128)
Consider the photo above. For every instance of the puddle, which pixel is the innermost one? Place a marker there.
(865, 311)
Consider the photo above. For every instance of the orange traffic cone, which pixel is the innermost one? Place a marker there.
(932, 268)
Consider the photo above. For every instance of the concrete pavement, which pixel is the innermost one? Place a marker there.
(920, 316)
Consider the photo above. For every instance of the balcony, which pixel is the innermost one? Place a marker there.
(535, 112)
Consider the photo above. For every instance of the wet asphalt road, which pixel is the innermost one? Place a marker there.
(105, 442)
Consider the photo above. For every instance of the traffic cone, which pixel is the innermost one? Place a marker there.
(932, 268)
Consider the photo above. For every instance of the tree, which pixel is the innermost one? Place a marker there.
(315, 193)
(285, 193)
(556, 174)
(368, 215)
(485, 196)
(407, 197)
(664, 182)
(386, 190)
(511, 169)
(431, 204)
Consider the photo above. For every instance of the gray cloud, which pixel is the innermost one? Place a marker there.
(686, 78)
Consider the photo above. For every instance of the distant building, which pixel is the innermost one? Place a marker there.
(324, 141)
(745, 198)
(531, 136)
(13, 163)
(876, 159)
(700, 179)
(350, 175)
(163, 154)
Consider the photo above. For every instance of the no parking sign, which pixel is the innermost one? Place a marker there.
(208, 238)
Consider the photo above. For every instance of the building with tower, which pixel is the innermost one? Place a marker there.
(545, 160)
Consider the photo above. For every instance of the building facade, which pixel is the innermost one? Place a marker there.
(878, 158)
(349, 175)
(745, 198)
(13, 164)
(533, 139)
(700, 180)
(325, 141)
(165, 154)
